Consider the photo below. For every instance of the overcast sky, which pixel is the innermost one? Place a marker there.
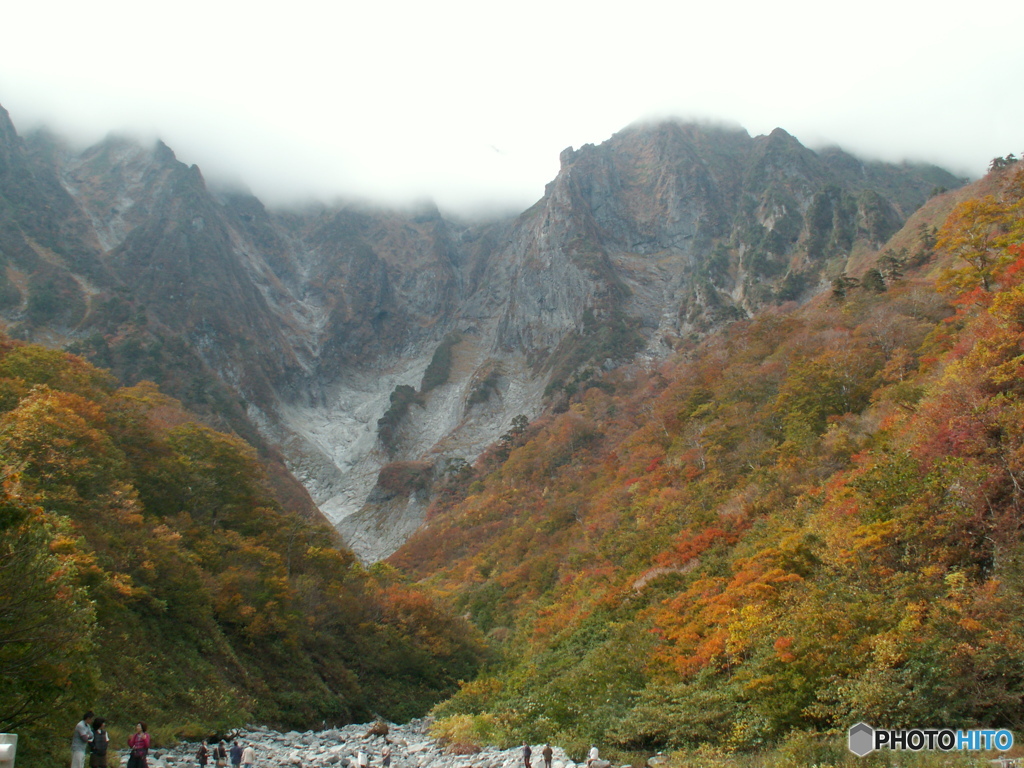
(469, 103)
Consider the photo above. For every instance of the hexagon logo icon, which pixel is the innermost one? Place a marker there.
(861, 739)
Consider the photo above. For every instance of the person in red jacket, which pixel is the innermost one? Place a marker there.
(139, 743)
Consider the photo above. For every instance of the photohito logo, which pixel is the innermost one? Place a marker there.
(863, 739)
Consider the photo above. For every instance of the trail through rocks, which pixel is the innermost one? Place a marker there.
(411, 747)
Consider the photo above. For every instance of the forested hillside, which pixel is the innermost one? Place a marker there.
(809, 518)
(148, 572)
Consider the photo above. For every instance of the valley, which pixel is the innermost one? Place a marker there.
(296, 328)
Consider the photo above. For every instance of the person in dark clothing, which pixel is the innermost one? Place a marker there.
(527, 752)
(203, 755)
(100, 742)
(236, 755)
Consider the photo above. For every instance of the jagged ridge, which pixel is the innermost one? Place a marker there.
(294, 328)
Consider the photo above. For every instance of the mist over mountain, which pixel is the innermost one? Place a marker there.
(368, 352)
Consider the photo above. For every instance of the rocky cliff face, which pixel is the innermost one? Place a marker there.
(356, 341)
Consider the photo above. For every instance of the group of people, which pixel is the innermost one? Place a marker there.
(545, 753)
(90, 735)
(593, 759)
(220, 754)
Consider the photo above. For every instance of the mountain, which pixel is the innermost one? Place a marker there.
(370, 353)
(807, 519)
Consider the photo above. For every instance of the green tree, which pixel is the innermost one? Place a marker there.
(842, 284)
(873, 281)
(46, 620)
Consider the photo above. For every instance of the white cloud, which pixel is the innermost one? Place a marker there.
(470, 102)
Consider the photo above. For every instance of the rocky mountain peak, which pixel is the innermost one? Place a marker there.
(353, 337)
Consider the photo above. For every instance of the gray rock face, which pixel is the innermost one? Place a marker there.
(311, 319)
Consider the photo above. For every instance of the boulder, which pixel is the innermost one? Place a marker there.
(379, 728)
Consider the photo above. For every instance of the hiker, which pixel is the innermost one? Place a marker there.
(220, 754)
(592, 757)
(527, 752)
(81, 737)
(139, 743)
(236, 754)
(546, 753)
(100, 742)
(203, 755)
(248, 756)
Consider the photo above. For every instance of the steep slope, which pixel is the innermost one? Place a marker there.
(350, 338)
(144, 287)
(809, 518)
(148, 571)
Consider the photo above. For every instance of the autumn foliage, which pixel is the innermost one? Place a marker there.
(148, 572)
(810, 518)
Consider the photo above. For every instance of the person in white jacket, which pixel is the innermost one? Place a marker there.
(80, 739)
(248, 756)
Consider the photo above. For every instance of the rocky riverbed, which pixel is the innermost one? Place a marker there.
(411, 747)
